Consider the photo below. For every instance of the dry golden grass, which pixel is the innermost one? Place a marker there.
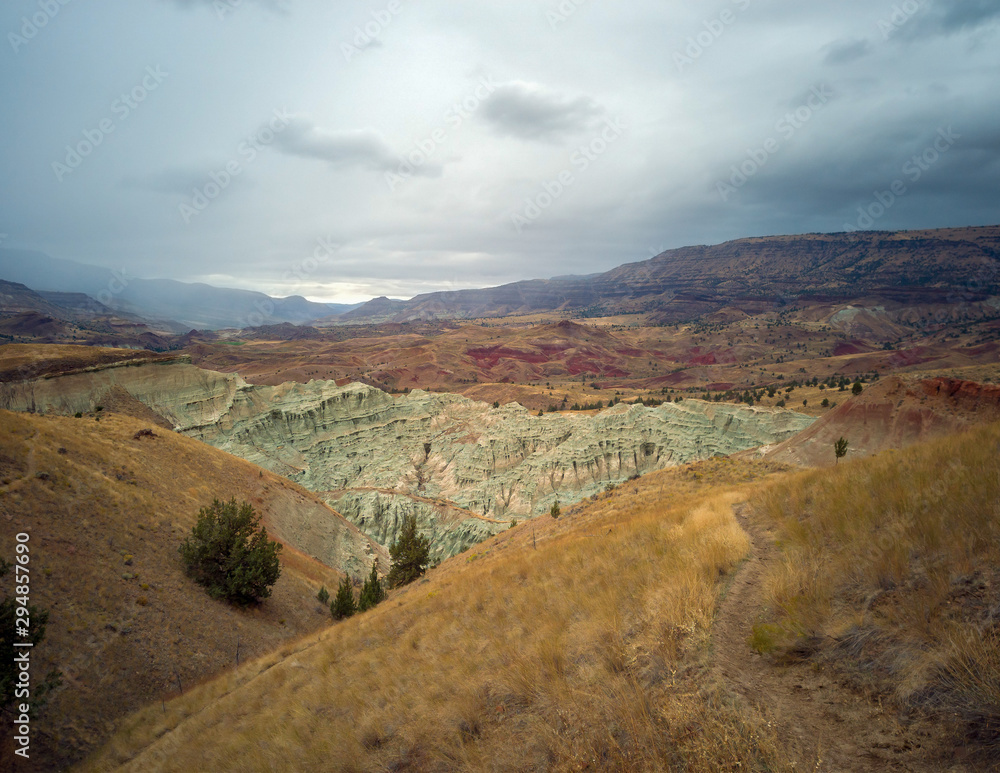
(23, 361)
(891, 570)
(106, 512)
(566, 644)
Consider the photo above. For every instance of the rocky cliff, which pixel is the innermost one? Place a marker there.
(463, 468)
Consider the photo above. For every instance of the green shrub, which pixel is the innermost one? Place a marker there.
(554, 511)
(323, 596)
(229, 553)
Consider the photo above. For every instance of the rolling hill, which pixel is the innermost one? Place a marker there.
(894, 413)
(753, 275)
(106, 509)
(722, 616)
(193, 305)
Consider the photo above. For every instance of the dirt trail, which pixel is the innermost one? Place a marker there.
(823, 725)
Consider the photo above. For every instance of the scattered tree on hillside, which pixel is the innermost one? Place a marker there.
(323, 596)
(229, 553)
(410, 555)
(372, 592)
(554, 511)
(343, 603)
(857, 388)
(840, 449)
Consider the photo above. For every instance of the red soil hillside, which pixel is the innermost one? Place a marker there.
(893, 413)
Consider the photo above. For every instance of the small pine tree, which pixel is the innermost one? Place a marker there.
(555, 511)
(410, 555)
(840, 448)
(323, 596)
(372, 592)
(857, 389)
(343, 603)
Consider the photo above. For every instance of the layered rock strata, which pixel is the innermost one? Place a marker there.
(463, 468)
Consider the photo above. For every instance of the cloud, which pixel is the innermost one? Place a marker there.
(965, 14)
(344, 149)
(531, 112)
(951, 18)
(845, 51)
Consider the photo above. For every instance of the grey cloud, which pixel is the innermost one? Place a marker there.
(654, 190)
(965, 14)
(845, 51)
(953, 17)
(345, 149)
(529, 111)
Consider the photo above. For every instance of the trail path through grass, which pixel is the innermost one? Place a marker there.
(823, 725)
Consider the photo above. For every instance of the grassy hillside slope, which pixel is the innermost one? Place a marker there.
(890, 573)
(587, 642)
(105, 512)
(559, 645)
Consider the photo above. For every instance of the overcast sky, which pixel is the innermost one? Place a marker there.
(392, 148)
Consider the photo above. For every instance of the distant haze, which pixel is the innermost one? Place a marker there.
(342, 151)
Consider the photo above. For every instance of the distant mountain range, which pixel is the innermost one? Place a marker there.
(752, 275)
(943, 266)
(175, 306)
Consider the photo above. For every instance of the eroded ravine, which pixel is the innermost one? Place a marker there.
(498, 464)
